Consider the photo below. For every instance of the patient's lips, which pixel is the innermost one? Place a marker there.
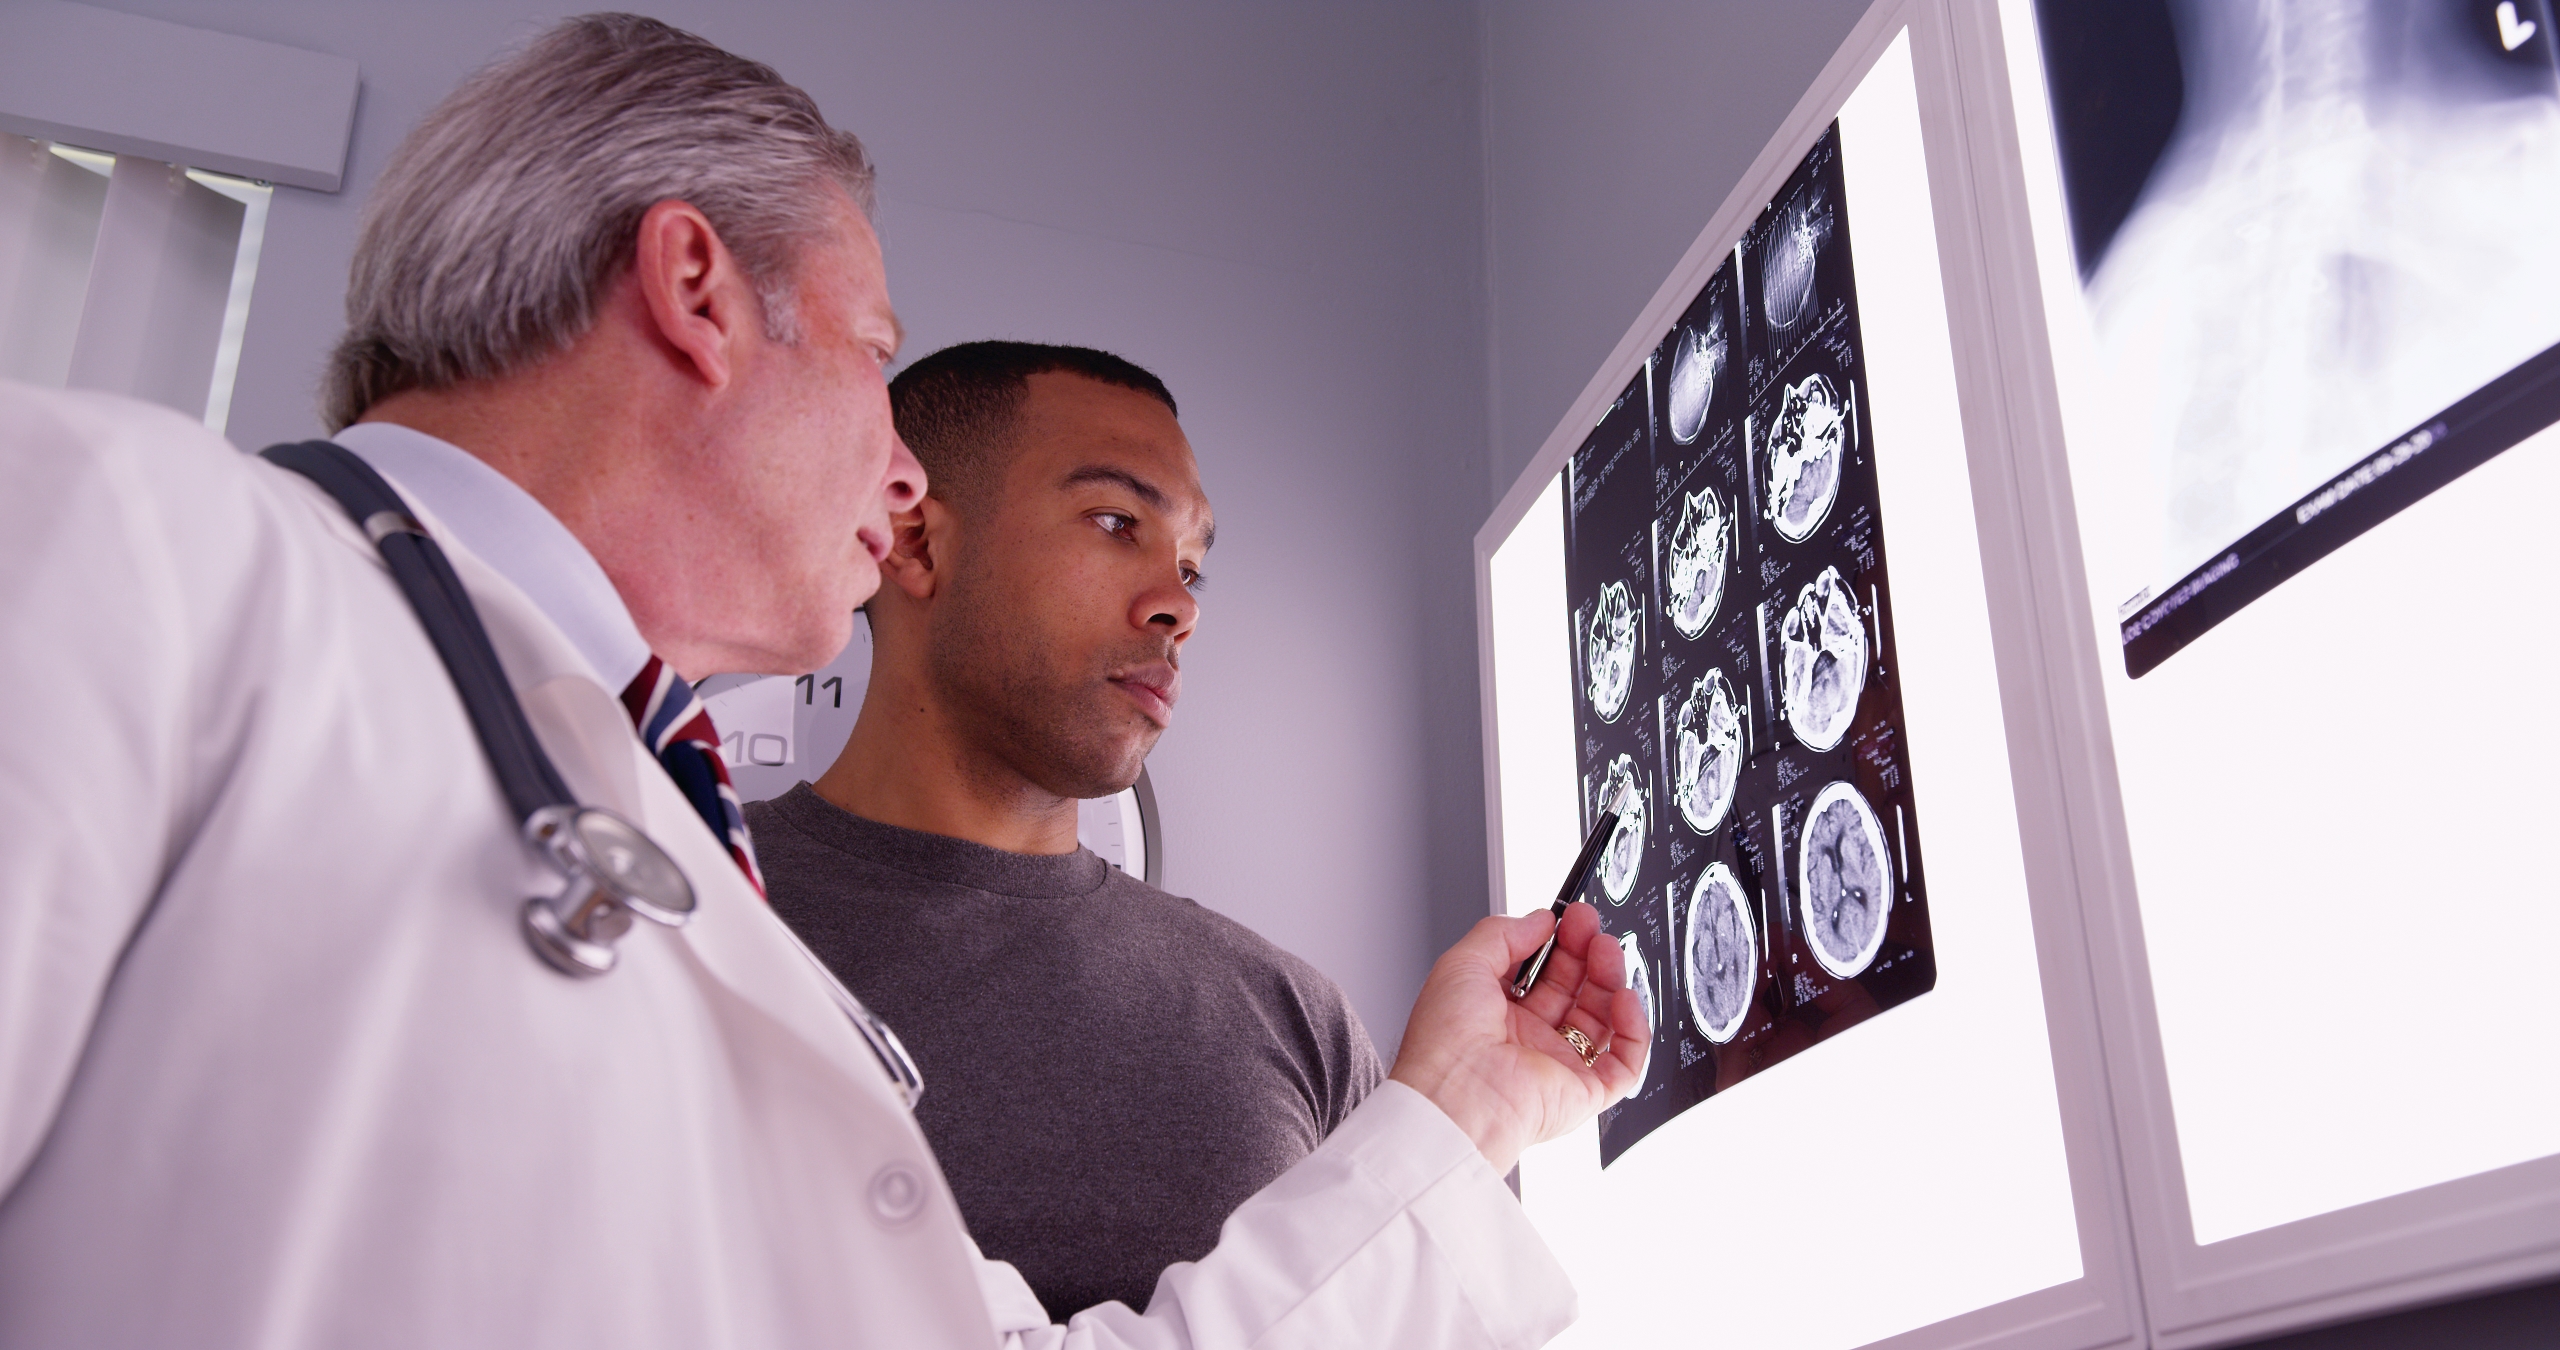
(1156, 686)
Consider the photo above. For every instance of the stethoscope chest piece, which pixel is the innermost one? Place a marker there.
(614, 872)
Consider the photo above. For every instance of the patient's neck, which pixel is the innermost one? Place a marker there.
(907, 765)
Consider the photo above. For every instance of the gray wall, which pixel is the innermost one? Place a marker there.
(1274, 207)
(1611, 133)
(2518, 1319)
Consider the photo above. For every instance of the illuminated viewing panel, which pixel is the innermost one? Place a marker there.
(2306, 286)
(1755, 594)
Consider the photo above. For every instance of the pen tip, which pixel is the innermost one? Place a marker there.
(1626, 797)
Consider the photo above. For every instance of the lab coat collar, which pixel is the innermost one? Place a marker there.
(516, 536)
(734, 937)
(733, 934)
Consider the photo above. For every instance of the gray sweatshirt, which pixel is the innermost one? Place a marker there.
(1109, 1070)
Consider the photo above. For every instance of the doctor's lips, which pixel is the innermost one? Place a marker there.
(874, 542)
(1156, 685)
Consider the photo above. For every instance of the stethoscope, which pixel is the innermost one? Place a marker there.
(611, 870)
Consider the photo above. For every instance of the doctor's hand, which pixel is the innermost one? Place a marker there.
(1504, 1071)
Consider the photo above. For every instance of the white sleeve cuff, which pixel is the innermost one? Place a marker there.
(1394, 1234)
(1508, 1277)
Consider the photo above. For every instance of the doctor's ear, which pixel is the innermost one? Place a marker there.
(920, 542)
(697, 297)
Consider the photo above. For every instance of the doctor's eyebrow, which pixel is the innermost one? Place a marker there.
(1140, 488)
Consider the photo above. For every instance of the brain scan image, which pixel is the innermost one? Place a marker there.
(1697, 359)
(1624, 853)
(1806, 444)
(1723, 953)
(1848, 880)
(1787, 262)
(1639, 976)
(1610, 651)
(1709, 752)
(1823, 642)
(1700, 540)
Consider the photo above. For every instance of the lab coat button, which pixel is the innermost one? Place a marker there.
(897, 1193)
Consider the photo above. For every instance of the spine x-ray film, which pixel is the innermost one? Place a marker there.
(1734, 661)
(2318, 274)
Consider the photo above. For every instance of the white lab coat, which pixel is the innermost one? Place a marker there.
(278, 1069)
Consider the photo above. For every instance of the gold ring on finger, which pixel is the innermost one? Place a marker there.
(1581, 1045)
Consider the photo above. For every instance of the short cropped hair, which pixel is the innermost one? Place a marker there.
(503, 218)
(959, 408)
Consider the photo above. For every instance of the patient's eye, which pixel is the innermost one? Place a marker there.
(1116, 524)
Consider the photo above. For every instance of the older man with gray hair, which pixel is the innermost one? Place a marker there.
(278, 1063)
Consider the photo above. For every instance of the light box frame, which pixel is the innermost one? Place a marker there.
(2491, 1230)
(1949, 40)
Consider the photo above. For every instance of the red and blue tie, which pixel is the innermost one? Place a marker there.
(677, 729)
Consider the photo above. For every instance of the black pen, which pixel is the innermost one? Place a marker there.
(1600, 831)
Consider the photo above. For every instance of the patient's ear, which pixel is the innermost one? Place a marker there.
(920, 541)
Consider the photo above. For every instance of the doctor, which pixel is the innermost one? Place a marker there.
(277, 1066)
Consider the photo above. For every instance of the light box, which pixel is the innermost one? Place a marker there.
(2204, 489)
(1758, 593)
(2301, 350)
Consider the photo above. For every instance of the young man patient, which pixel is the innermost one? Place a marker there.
(1109, 1070)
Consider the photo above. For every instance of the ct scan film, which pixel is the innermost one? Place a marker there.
(2315, 246)
(1733, 654)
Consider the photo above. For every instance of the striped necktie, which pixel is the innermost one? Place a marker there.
(677, 729)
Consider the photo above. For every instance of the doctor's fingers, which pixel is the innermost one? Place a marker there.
(1610, 1017)
(1594, 1012)
(1598, 1014)
(1601, 1042)
(1560, 982)
(1621, 1067)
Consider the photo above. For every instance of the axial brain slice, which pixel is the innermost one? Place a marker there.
(1624, 853)
(1805, 441)
(1824, 646)
(1639, 978)
(1724, 962)
(1696, 567)
(1787, 262)
(1611, 650)
(1696, 360)
(1709, 752)
(1848, 880)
